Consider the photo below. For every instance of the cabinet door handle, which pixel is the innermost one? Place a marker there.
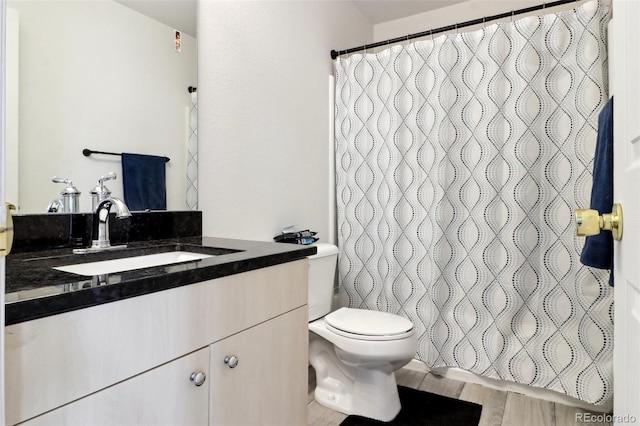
(231, 361)
(198, 378)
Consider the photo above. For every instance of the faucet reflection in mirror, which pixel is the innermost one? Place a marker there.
(70, 200)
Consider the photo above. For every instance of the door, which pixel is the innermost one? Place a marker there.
(625, 72)
(2, 194)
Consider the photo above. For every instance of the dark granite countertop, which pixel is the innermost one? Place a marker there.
(35, 290)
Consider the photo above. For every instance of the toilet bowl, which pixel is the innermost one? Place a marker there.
(355, 352)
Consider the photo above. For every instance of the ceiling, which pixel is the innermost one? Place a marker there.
(378, 11)
(181, 14)
(178, 14)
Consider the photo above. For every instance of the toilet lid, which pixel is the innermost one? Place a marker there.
(364, 322)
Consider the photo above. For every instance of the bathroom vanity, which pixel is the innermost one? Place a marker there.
(219, 340)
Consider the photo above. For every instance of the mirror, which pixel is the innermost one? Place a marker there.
(97, 75)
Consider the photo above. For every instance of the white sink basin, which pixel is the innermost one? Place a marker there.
(130, 263)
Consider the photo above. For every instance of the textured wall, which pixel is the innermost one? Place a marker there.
(265, 109)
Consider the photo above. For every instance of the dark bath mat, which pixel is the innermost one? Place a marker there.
(424, 408)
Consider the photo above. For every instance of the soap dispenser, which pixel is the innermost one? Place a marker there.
(70, 196)
(100, 192)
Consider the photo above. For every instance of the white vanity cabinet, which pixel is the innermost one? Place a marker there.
(259, 376)
(130, 361)
(164, 395)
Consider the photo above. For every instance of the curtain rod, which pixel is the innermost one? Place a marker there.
(335, 54)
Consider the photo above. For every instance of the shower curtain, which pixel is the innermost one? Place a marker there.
(459, 162)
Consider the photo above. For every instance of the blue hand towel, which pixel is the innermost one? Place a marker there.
(598, 249)
(144, 182)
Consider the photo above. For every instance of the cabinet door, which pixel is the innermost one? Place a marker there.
(268, 386)
(165, 395)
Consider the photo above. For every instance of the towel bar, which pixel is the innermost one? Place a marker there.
(87, 152)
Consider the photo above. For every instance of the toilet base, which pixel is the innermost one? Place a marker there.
(374, 400)
(371, 393)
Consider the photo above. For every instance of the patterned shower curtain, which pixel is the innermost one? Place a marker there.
(459, 162)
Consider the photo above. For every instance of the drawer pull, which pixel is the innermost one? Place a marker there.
(198, 378)
(231, 361)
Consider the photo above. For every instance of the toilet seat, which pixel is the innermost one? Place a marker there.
(364, 324)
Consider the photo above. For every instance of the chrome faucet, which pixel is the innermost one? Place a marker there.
(100, 232)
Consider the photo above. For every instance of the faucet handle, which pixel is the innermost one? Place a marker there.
(108, 176)
(101, 192)
(57, 179)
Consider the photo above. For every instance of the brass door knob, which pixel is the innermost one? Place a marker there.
(6, 231)
(589, 222)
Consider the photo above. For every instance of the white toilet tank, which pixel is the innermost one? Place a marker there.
(322, 271)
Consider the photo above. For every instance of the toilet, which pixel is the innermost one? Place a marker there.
(355, 352)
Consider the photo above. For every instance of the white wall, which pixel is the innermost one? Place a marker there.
(460, 12)
(264, 112)
(97, 75)
(12, 97)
